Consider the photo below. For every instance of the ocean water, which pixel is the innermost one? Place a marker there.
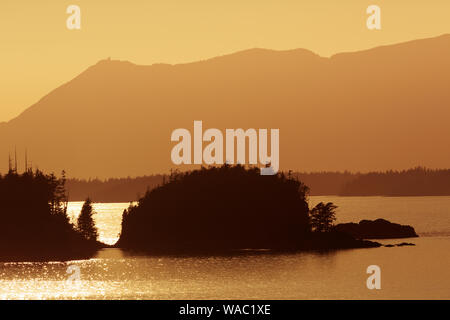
(411, 272)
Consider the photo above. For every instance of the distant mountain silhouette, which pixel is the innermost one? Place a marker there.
(379, 109)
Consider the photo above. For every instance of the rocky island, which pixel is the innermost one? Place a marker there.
(228, 209)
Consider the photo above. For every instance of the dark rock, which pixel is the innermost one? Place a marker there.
(405, 244)
(377, 229)
(335, 240)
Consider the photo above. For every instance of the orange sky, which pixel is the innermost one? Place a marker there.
(38, 52)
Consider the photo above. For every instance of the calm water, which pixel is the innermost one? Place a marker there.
(419, 272)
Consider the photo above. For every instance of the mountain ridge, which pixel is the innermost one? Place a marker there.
(115, 118)
(109, 61)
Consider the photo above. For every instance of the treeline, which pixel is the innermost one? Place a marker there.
(413, 182)
(112, 190)
(325, 183)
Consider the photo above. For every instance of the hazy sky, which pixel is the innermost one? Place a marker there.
(39, 53)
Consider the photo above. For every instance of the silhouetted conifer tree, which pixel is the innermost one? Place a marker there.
(86, 225)
(322, 217)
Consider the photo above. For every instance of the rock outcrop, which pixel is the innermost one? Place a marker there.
(376, 229)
